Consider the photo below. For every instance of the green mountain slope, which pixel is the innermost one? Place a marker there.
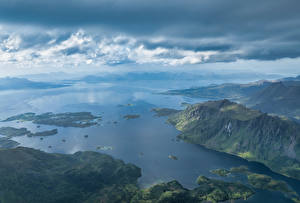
(280, 97)
(33, 176)
(28, 175)
(229, 127)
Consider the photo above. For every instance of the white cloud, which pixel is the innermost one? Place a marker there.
(82, 48)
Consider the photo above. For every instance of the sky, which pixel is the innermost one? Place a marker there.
(129, 35)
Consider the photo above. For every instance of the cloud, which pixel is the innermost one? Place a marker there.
(169, 32)
(82, 48)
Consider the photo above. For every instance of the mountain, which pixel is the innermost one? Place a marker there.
(28, 175)
(172, 76)
(22, 83)
(282, 98)
(232, 128)
(228, 91)
(32, 176)
(297, 78)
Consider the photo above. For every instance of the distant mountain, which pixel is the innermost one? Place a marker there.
(228, 91)
(297, 78)
(232, 128)
(135, 76)
(282, 98)
(9, 83)
(176, 76)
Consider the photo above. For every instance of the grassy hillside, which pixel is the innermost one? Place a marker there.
(232, 128)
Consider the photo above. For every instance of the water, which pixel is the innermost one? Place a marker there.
(146, 142)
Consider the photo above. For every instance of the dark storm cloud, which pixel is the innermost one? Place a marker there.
(256, 29)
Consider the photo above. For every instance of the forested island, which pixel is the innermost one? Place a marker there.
(69, 119)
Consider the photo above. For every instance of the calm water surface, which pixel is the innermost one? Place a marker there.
(146, 142)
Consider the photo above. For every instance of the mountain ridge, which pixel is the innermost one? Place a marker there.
(232, 128)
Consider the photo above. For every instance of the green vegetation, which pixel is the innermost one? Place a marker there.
(240, 169)
(44, 133)
(10, 132)
(263, 182)
(164, 111)
(6, 143)
(232, 128)
(105, 148)
(15, 132)
(78, 119)
(220, 172)
(267, 183)
(280, 97)
(131, 116)
(208, 190)
(33, 176)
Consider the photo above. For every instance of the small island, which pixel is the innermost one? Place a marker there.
(260, 181)
(105, 148)
(208, 190)
(69, 119)
(172, 157)
(10, 132)
(15, 132)
(131, 116)
(6, 143)
(220, 172)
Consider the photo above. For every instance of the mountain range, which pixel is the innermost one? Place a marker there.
(281, 97)
(10, 83)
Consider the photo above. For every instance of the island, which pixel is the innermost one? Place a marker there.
(6, 143)
(220, 172)
(173, 157)
(15, 132)
(233, 128)
(10, 132)
(69, 119)
(131, 116)
(105, 148)
(95, 177)
(261, 181)
(208, 190)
